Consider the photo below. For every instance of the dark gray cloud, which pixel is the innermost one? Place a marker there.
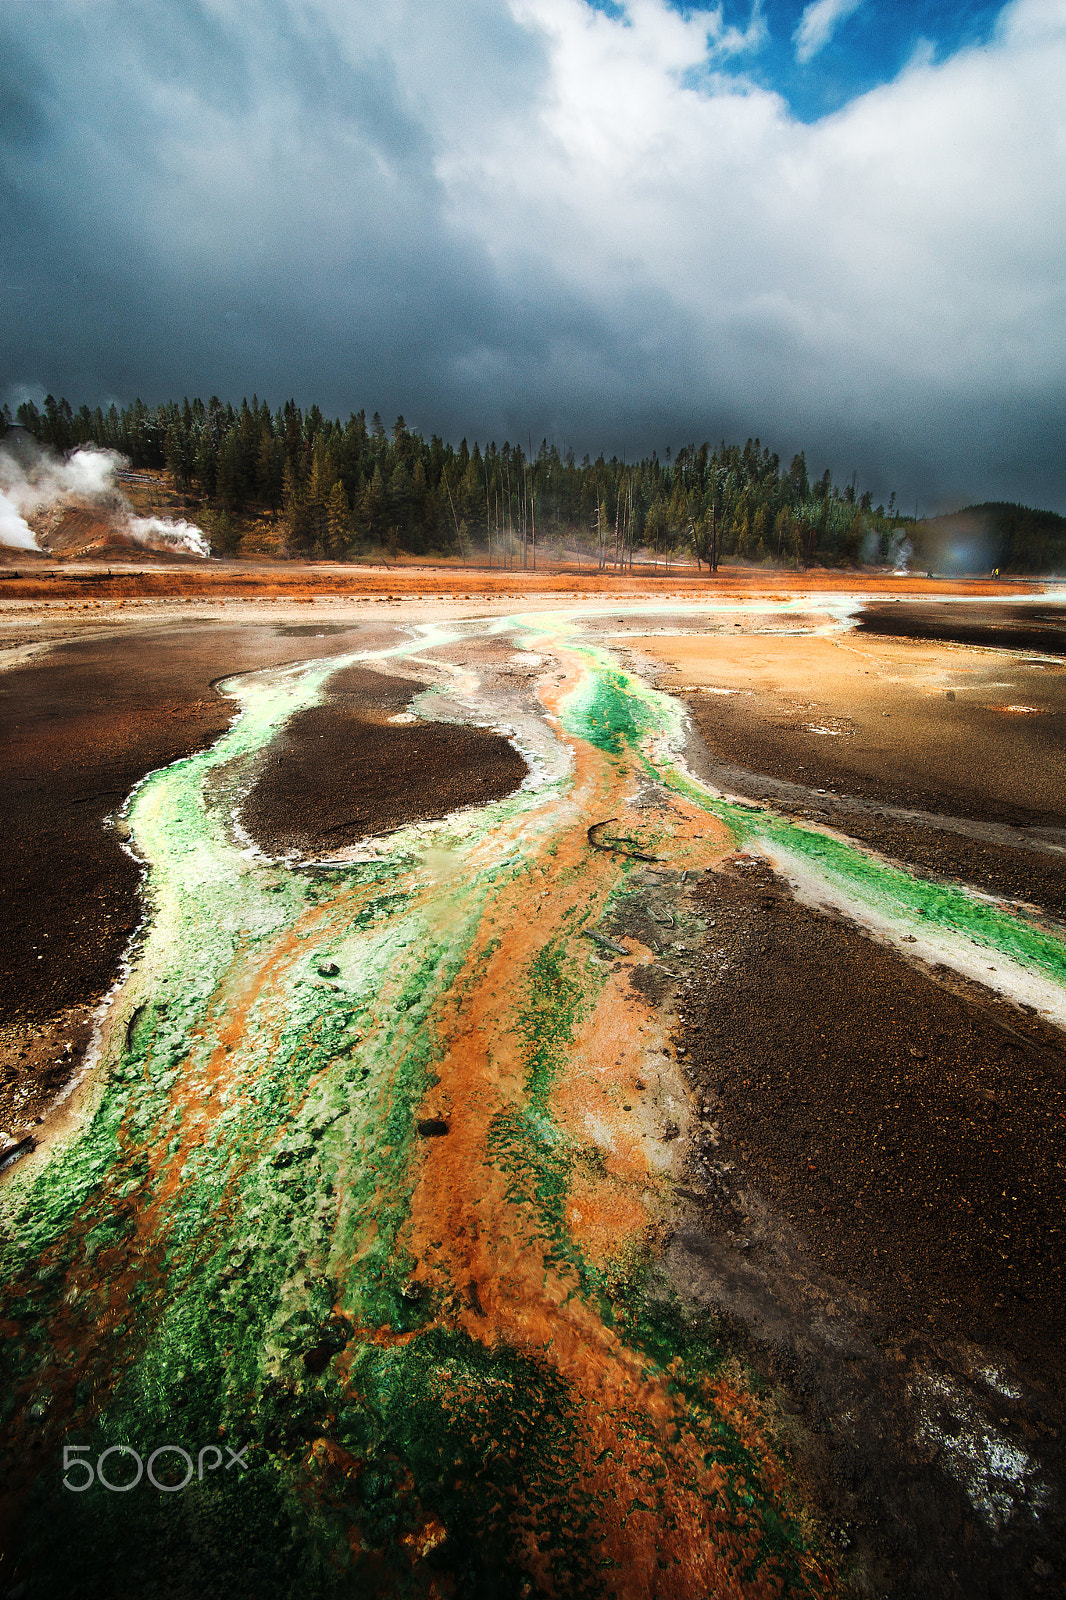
(512, 216)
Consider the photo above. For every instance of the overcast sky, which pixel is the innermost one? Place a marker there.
(624, 226)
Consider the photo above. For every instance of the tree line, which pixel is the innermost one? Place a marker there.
(341, 490)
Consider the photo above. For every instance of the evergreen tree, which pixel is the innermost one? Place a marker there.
(299, 527)
(339, 519)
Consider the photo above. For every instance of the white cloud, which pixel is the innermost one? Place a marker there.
(515, 212)
(897, 260)
(818, 24)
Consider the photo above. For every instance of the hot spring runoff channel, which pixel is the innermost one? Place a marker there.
(358, 1212)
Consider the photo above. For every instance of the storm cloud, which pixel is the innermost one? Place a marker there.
(537, 216)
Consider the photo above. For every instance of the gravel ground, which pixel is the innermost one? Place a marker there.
(872, 1209)
(1002, 626)
(914, 1134)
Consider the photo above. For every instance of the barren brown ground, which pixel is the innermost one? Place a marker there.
(344, 769)
(910, 723)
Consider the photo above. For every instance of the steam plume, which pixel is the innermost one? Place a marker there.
(32, 481)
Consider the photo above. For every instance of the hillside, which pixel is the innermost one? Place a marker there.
(995, 534)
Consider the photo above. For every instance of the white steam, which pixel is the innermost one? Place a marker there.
(180, 535)
(14, 530)
(889, 549)
(33, 481)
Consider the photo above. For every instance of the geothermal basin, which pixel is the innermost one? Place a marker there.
(534, 1090)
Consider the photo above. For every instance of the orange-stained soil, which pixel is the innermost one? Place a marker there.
(158, 577)
(468, 1232)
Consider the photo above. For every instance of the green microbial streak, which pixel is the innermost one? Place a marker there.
(547, 1017)
(614, 711)
(524, 1142)
(487, 1435)
(256, 1238)
(611, 718)
(885, 889)
(691, 1348)
(938, 905)
(290, 1204)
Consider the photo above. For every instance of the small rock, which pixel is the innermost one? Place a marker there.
(328, 969)
(671, 1131)
(335, 1333)
(21, 1146)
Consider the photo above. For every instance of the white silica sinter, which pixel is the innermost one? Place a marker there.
(865, 903)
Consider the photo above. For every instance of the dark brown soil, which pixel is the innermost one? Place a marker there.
(37, 1059)
(915, 1137)
(1035, 627)
(80, 726)
(929, 755)
(876, 1206)
(342, 770)
(952, 783)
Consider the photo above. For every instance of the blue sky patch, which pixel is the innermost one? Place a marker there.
(821, 55)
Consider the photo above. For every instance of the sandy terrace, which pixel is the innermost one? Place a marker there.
(938, 726)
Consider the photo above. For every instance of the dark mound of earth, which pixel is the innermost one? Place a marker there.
(343, 770)
(1041, 628)
(80, 726)
(914, 1135)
